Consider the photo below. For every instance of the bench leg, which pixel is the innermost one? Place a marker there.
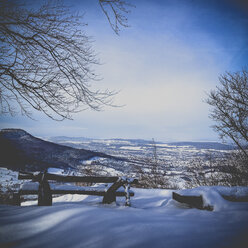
(110, 195)
(16, 199)
(109, 198)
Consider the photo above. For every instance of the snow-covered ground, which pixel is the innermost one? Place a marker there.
(154, 220)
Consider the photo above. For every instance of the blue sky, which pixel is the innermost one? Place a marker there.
(163, 65)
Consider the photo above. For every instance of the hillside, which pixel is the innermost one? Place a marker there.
(21, 150)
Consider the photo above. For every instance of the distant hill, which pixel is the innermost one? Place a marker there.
(204, 145)
(21, 150)
(65, 138)
(75, 141)
(197, 145)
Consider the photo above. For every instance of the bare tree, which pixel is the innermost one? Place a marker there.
(229, 104)
(229, 169)
(46, 59)
(151, 170)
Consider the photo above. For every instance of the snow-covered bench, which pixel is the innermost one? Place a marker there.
(194, 201)
(44, 185)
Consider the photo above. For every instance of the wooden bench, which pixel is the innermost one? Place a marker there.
(44, 188)
(192, 201)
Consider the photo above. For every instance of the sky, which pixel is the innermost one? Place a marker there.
(163, 65)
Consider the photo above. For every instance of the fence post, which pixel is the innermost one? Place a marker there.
(44, 192)
(127, 194)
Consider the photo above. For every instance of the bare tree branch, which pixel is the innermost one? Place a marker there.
(46, 60)
(116, 11)
(229, 104)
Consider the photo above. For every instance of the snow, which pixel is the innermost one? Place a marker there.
(93, 159)
(56, 171)
(154, 220)
(72, 142)
(109, 142)
(135, 148)
(9, 180)
(30, 186)
(111, 171)
(213, 195)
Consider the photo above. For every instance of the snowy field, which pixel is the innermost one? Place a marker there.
(154, 220)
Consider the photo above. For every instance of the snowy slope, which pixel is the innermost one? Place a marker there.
(154, 220)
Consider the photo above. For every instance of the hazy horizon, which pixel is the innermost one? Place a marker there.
(44, 136)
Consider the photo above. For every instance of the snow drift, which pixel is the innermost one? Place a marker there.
(154, 220)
